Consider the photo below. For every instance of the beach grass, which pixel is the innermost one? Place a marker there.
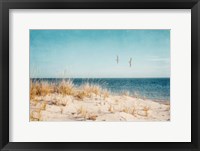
(66, 87)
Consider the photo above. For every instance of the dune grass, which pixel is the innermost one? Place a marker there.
(40, 89)
(146, 109)
(129, 110)
(66, 87)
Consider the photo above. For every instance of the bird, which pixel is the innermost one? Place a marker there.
(130, 61)
(117, 59)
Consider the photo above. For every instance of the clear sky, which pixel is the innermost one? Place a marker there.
(93, 53)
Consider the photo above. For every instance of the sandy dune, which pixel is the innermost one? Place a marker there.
(57, 107)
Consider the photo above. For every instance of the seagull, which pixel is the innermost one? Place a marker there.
(130, 61)
(117, 59)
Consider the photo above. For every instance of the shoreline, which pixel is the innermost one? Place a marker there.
(130, 89)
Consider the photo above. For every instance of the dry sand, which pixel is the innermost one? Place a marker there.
(57, 107)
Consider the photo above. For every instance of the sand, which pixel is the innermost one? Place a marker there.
(114, 108)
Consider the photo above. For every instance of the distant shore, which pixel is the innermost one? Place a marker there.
(89, 102)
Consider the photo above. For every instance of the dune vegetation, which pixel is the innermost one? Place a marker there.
(66, 87)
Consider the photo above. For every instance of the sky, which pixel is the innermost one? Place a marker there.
(93, 53)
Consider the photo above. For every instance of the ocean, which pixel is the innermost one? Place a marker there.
(149, 88)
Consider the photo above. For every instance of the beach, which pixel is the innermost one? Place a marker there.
(99, 75)
(89, 102)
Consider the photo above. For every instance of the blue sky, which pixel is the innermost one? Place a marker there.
(93, 53)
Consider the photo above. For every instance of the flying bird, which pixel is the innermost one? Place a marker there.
(130, 62)
(117, 59)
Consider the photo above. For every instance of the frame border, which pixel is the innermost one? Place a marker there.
(5, 5)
